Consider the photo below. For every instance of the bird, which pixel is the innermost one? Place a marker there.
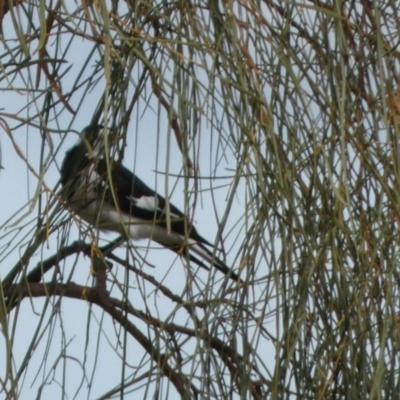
(110, 197)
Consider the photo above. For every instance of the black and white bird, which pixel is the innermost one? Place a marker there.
(110, 197)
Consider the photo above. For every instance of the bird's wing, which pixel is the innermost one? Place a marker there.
(136, 199)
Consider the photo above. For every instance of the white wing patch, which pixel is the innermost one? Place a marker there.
(149, 203)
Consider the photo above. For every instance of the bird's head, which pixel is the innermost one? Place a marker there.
(89, 146)
(91, 138)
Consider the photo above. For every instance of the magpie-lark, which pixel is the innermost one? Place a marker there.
(110, 197)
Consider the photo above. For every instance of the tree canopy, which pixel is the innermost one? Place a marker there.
(275, 127)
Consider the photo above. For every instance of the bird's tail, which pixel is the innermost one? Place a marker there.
(198, 253)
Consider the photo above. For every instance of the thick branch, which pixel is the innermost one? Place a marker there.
(98, 297)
